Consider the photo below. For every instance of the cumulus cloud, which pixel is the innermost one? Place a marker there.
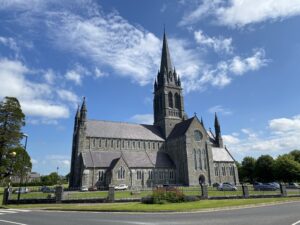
(281, 136)
(142, 118)
(219, 44)
(224, 72)
(238, 13)
(108, 41)
(36, 98)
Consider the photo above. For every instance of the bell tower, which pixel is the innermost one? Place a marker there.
(168, 100)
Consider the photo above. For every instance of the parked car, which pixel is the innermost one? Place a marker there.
(265, 186)
(46, 189)
(121, 187)
(227, 187)
(216, 185)
(92, 188)
(22, 190)
(275, 184)
(84, 188)
(293, 186)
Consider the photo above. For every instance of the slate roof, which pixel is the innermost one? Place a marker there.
(108, 129)
(99, 159)
(180, 128)
(134, 159)
(161, 160)
(221, 155)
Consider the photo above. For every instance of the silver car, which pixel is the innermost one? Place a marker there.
(227, 187)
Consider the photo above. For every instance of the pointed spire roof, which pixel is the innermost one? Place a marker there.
(217, 124)
(78, 112)
(165, 56)
(83, 106)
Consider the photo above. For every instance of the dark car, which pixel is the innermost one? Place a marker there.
(292, 186)
(265, 186)
(46, 189)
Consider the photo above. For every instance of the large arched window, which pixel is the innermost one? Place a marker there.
(200, 159)
(170, 97)
(177, 101)
(195, 159)
(121, 173)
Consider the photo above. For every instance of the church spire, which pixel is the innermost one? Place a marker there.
(218, 132)
(165, 56)
(83, 111)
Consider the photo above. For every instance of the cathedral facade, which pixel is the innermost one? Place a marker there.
(174, 150)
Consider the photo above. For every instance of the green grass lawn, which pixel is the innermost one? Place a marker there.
(139, 207)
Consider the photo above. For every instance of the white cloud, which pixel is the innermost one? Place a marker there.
(108, 41)
(36, 98)
(223, 74)
(230, 140)
(10, 43)
(281, 136)
(142, 118)
(74, 76)
(50, 76)
(100, 73)
(238, 13)
(240, 66)
(219, 109)
(68, 96)
(219, 44)
(285, 124)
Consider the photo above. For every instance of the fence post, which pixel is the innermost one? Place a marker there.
(283, 190)
(111, 193)
(5, 196)
(245, 191)
(204, 194)
(58, 194)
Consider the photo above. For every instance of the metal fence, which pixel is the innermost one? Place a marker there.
(20, 193)
(79, 194)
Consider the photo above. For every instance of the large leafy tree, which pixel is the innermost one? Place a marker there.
(296, 155)
(264, 168)
(21, 164)
(12, 119)
(246, 170)
(286, 168)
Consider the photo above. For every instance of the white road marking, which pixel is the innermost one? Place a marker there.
(7, 221)
(298, 222)
(6, 211)
(19, 210)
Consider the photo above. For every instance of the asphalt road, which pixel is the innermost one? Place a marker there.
(283, 214)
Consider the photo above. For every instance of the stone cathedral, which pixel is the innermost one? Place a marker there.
(174, 150)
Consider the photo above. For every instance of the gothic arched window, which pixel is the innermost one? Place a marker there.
(195, 159)
(121, 173)
(177, 101)
(170, 97)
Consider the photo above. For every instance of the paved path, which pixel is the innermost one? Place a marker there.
(283, 214)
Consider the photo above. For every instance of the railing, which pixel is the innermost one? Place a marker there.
(17, 193)
(293, 191)
(79, 194)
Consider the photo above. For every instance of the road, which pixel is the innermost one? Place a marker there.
(283, 214)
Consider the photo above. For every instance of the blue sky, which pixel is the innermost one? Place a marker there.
(237, 58)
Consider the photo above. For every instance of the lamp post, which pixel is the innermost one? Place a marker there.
(22, 171)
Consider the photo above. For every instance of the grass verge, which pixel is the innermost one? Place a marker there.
(139, 207)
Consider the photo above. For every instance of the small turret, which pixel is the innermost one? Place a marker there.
(219, 139)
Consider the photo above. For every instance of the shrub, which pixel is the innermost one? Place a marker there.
(164, 195)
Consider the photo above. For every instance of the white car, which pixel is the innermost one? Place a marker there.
(227, 187)
(121, 187)
(84, 188)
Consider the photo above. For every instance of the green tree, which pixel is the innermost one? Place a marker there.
(12, 120)
(286, 168)
(264, 168)
(50, 179)
(296, 155)
(22, 163)
(246, 170)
